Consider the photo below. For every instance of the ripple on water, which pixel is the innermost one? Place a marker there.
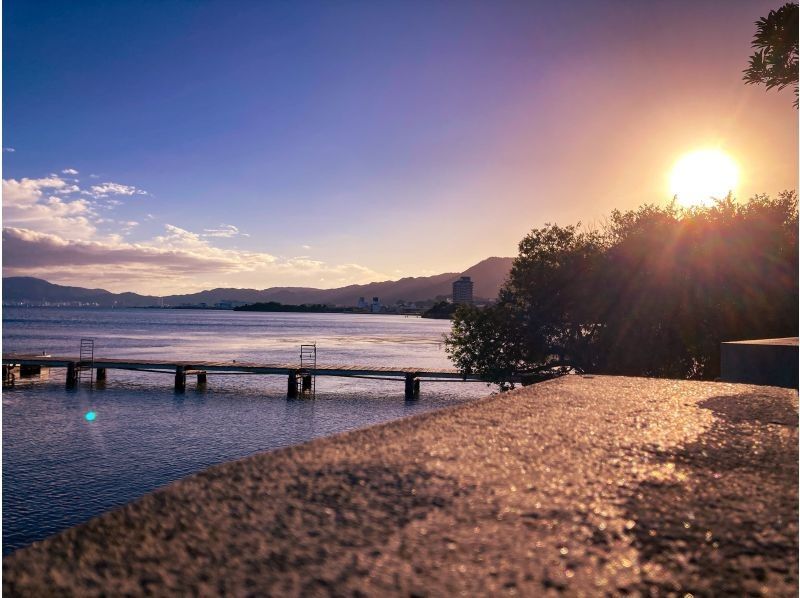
(61, 468)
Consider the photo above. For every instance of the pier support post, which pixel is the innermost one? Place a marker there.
(202, 379)
(306, 383)
(412, 386)
(101, 374)
(291, 390)
(180, 378)
(8, 375)
(72, 375)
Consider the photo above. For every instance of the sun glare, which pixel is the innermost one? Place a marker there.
(699, 177)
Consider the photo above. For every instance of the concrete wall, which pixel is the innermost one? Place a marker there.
(771, 362)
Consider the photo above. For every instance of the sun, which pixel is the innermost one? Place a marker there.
(700, 176)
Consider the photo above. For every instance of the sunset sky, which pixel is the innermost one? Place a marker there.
(162, 147)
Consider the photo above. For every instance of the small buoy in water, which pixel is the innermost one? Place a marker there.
(90, 416)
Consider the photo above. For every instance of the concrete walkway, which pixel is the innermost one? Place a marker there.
(584, 485)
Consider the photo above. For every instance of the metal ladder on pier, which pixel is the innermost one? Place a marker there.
(86, 363)
(307, 381)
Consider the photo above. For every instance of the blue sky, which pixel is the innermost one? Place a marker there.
(259, 144)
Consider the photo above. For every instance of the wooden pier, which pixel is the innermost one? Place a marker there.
(299, 379)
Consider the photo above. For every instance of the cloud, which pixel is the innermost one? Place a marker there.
(126, 226)
(224, 230)
(26, 205)
(176, 235)
(179, 254)
(72, 220)
(64, 233)
(9, 149)
(106, 189)
(306, 246)
(21, 196)
(31, 190)
(68, 190)
(171, 262)
(25, 191)
(110, 204)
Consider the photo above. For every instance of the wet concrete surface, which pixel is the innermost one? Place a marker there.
(582, 485)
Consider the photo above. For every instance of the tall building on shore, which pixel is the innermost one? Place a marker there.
(462, 290)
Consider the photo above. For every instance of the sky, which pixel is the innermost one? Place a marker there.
(173, 146)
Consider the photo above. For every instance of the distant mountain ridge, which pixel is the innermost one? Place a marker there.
(488, 276)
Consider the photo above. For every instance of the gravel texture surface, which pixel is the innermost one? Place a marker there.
(582, 485)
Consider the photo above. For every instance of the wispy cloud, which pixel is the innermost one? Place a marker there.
(126, 226)
(225, 231)
(106, 189)
(9, 149)
(68, 190)
(71, 171)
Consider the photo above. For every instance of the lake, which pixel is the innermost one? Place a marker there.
(59, 469)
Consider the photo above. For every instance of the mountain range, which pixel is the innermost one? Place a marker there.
(487, 275)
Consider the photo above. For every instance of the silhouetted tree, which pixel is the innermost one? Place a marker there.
(775, 61)
(654, 293)
(680, 282)
(486, 342)
(549, 293)
(545, 313)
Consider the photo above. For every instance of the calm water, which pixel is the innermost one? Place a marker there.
(60, 469)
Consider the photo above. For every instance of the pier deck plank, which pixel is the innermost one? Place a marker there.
(238, 367)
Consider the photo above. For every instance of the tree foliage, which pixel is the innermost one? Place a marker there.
(774, 62)
(486, 341)
(653, 293)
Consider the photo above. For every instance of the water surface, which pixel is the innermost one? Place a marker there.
(60, 469)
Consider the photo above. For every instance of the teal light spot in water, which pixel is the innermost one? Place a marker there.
(90, 416)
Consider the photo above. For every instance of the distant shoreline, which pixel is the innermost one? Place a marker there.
(332, 310)
(313, 308)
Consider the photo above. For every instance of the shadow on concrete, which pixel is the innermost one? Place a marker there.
(752, 408)
(721, 512)
(355, 506)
